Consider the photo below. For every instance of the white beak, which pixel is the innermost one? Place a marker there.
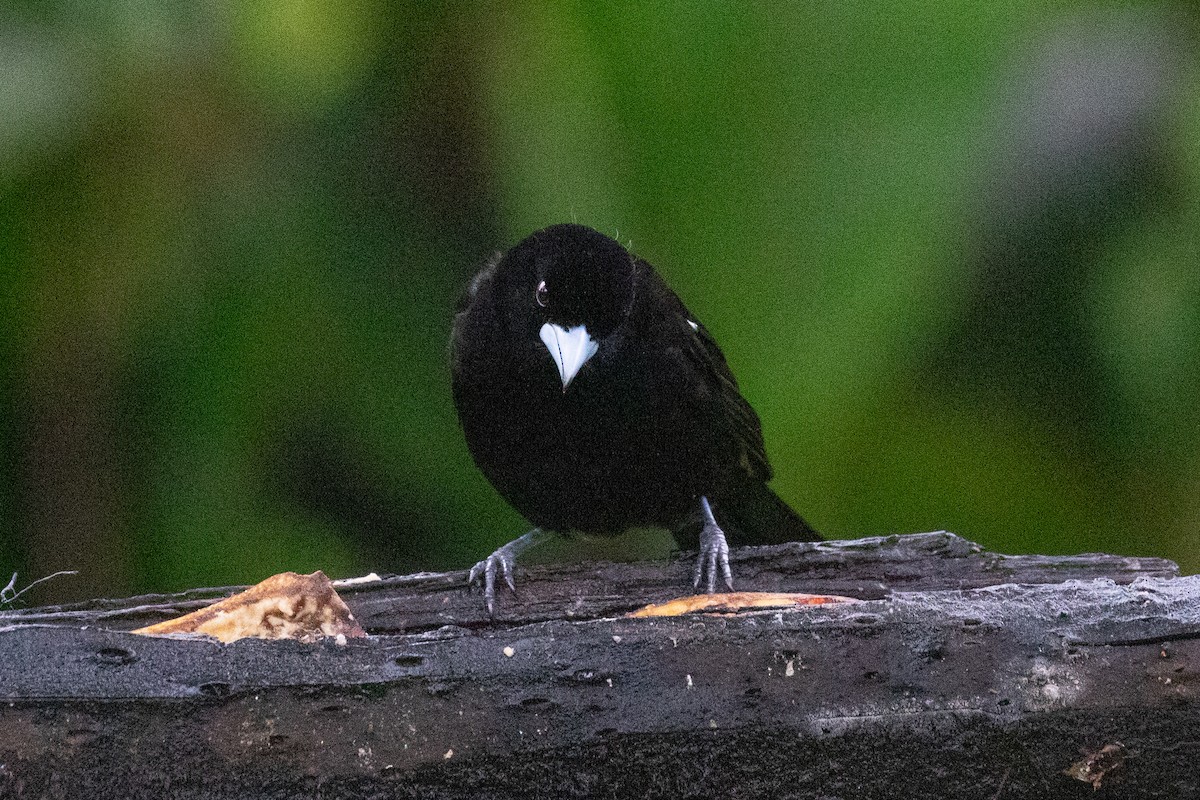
(569, 347)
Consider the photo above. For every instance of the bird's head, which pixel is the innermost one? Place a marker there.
(570, 286)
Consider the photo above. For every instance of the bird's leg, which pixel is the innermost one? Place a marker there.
(714, 552)
(504, 559)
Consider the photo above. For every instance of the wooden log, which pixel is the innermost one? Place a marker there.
(961, 674)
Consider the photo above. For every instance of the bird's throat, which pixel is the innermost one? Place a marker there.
(569, 347)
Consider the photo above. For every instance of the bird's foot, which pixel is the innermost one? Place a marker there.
(714, 553)
(503, 560)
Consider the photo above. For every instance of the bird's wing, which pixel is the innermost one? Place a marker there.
(741, 420)
(735, 421)
(465, 300)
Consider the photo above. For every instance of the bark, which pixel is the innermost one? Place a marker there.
(962, 674)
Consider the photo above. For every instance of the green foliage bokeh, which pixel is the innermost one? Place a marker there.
(949, 250)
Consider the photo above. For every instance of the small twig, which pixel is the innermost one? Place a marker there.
(9, 593)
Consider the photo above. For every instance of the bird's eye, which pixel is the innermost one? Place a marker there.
(542, 295)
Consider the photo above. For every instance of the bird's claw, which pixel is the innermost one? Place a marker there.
(502, 560)
(714, 555)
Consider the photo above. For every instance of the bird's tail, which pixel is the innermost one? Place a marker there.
(754, 514)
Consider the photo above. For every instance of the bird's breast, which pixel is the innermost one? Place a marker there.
(603, 456)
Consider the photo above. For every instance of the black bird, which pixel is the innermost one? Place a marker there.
(594, 402)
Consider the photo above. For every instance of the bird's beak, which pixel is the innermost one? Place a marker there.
(569, 347)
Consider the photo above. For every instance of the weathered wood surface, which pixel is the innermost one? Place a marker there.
(963, 674)
(869, 569)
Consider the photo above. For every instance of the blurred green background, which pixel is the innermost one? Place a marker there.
(950, 250)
